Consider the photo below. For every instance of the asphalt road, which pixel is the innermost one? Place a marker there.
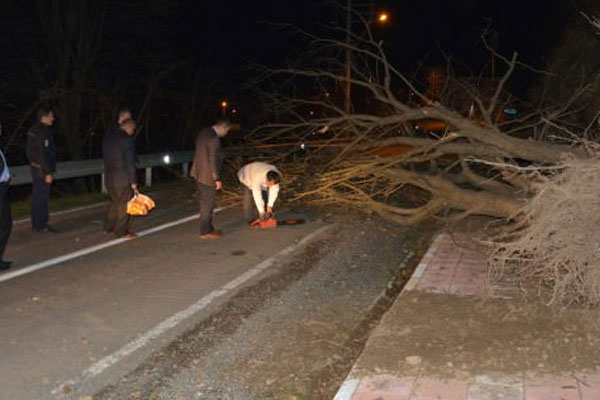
(73, 325)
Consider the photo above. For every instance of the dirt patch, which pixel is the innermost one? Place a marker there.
(444, 335)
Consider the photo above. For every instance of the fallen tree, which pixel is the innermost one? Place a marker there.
(553, 247)
(536, 171)
(373, 157)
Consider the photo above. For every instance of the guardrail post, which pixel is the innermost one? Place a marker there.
(148, 176)
(185, 168)
(20, 174)
(103, 183)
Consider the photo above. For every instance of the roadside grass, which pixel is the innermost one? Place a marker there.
(22, 208)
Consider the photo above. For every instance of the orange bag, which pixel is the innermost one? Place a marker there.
(139, 204)
(146, 201)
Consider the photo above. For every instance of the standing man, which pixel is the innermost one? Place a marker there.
(41, 154)
(118, 150)
(5, 215)
(206, 170)
(260, 181)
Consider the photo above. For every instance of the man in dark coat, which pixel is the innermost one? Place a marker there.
(206, 170)
(118, 150)
(5, 215)
(42, 161)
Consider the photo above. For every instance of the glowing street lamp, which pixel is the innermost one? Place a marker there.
(224, 107)
(383, 17)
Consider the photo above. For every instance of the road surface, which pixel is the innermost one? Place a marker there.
(80, 309)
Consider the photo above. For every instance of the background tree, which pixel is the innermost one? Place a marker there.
(74, 31)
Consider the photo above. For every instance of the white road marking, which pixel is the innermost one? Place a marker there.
(350, 384)
(347, 389)
(92, 249)
(171, 322)
(70, 210)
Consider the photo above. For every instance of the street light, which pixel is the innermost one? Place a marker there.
(224, 107)
(382, 18)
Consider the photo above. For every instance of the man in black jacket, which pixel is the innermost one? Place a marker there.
(42, 162)
(206, 170)
(5, 215)
(118, 150)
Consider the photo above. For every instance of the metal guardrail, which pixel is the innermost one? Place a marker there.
(21, 175)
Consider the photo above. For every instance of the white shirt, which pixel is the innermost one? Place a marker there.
(254, 177)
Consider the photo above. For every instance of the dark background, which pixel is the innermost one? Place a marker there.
(173, 62)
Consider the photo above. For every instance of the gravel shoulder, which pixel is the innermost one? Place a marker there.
(295, 333)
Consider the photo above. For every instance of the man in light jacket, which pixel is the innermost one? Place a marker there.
(260, 183)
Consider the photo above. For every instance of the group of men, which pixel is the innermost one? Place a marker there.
(260, 181)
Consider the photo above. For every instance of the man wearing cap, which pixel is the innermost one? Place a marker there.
(41, 154)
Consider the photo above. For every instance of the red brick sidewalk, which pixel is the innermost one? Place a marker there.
(455, 270)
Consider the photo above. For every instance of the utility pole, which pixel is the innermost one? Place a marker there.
(348, 99)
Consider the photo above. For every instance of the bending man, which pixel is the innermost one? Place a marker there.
(260, 182)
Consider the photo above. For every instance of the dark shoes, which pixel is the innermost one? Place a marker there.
(4, 265)
(47, 229)
(210, 235)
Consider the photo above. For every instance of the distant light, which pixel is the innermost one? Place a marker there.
(224, 104)
(167, 159)
(312, 112)
(383, 17)
(302, 146)
(510, 111)
(234, 111)
(324, 129)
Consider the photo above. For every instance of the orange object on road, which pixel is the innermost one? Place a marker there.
(266, 224)
(139, 204)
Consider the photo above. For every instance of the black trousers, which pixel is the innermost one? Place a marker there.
(39, 200)
(250, 210)
(5, 218)
(117, 220)
(206, 202)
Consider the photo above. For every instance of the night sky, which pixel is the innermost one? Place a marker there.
(227, 34)
(239, 31)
